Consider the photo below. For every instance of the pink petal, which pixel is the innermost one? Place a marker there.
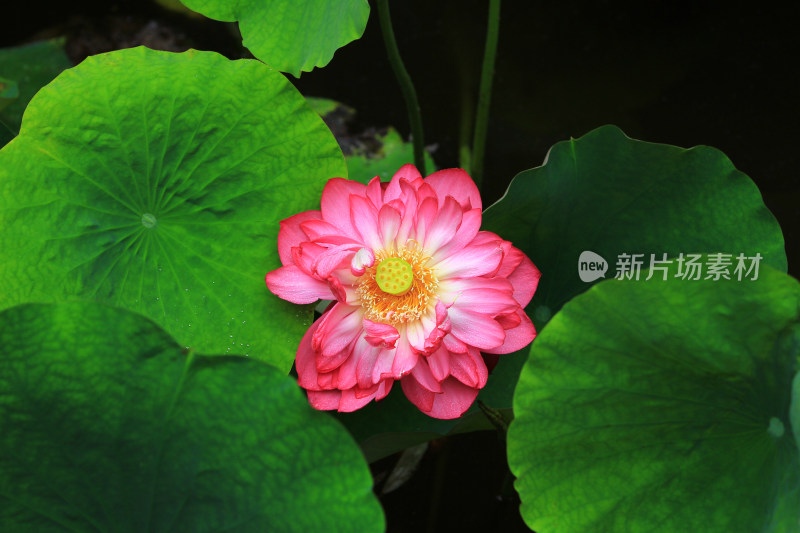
(334, 258)
(355, 398)
(474, 260)
(380, 335)
(345, 294)
(415, 333)
(426, 215)
(422, 373)
(417, 394)
(453, 344)
(475, 328)
(292, 284)
(366, 365)
(435, 327)
(364, 217)
(509, 321)
(425, 191)
(516, 338)
(467, 230)
(450, 290)
(525, 279)
(389, 224)
(337, 240)
(359, 393)
(444, 226)
(454, 400)
(291, 234)
(409, 203)
(331, 364)
(338, 328)
(335, 204)
(375, 191)
(482, 237)
(318, 230)
(382, 368)
(325, 400)
(325, 381)
(349, 394)
(305, 255)
(455, 182)
(408, 194)
(344, 375)
(383, 389)
(491, 302)
(322, 324)
(343, 288)
(347, 377)
(306, 360)
(407, 172)
(469, 368)
(343, 401)
(363, 258)
(512, 257)
(404, 358)
(439, 363)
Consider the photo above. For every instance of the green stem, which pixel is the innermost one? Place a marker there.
(467, 110)
(406, 86)
(497, 418)
(485, 93)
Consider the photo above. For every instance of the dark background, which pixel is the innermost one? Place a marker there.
(677, 72)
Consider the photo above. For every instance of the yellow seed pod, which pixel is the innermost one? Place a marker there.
(394, 276)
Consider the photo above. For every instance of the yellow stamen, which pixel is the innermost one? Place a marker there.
(387, 296)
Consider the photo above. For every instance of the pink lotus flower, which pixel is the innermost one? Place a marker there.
(419, 292)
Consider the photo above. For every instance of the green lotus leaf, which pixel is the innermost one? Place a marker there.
(156, 182)
(291, 35)
(108, 424)
(612, 195)
(795, 410)
(29, 67)
(662, 405)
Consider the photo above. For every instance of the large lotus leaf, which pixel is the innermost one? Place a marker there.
(30, 67)
(291, 35)
(108, 424)
(156, 182)
(662, 406)
(612, 195)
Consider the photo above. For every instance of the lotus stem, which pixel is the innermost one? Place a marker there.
(485, 92)
(406, 86)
